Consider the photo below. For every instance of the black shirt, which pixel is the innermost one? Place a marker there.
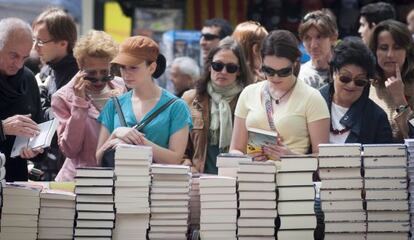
(19, 94)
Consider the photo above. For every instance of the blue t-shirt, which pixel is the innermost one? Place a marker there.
(159, 130)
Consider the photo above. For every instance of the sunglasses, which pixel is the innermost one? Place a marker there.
(283, 72)
(230, 67)
(209, 36)
(357, 82)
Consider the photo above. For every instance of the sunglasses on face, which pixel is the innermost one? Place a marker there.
(209, 36)
(283, 72)
(358, 82)
(91, 75)
(102, 79)
(230, 67)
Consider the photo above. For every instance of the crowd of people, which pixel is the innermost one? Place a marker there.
(352, 90)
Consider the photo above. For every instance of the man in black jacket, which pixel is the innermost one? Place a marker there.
(54, 38)
(19, 96)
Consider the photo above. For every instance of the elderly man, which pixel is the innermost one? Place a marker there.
(184, 73)
(19, 95)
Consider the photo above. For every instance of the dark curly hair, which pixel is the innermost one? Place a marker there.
(353, 51)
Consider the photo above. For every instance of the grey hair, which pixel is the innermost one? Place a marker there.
(187, 66)
(10, 26)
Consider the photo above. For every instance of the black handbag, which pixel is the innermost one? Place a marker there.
(108, 157)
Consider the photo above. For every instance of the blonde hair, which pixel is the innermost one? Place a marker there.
(247, 34)
(96, 44)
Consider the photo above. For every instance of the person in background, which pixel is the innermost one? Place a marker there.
(318, 32)
(212, 104)
(19, 96)
(184, 72)
(354, 117)
(372, 14)
(212, 32)
(250, 36)
(393, 87)
(282, 104)
(139, 61)
(77, 104)
(410, 22)
(54, 38)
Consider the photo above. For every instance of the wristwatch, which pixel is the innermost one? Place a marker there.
(401, 108)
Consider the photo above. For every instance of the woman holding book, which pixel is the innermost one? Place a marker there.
(281, 104)
(212, 104)
(354, 117)
(167, 133)
(393, 87)
(78, 103)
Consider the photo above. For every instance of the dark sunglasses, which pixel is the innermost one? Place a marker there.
(103, 79)
(357, 82)
(209, 36)
(283, 72)
(230, 67)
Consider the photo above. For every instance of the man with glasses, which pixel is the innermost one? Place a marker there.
(212, 32)
(19, 96)
(54, 38)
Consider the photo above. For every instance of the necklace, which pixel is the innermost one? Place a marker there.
(277, 100)
(339, 132)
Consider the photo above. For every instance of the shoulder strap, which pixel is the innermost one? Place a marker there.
(119, 111)
(155, 114)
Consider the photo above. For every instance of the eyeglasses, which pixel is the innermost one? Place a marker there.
(283, 72)
(41, 43)
(92, 73)
(209, 36)
(230, 67)
(358, 82)
(102, 79)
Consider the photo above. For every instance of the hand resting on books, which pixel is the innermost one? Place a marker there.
(20, 125)
(272, 151)
(129, 136)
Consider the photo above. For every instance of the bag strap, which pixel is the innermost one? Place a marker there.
(155, 114)
(119, 112)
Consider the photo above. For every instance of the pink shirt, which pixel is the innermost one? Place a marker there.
(78, 128)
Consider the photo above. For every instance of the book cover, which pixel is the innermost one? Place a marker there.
(257, 138)
(43, 140)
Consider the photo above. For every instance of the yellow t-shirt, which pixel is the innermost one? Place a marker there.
(305, 105)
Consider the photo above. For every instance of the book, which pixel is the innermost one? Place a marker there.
(393, 216)
(294, 179)
(386, 236)
(388, 205)
(385, 172)
(295, 234)
(348, 216)
(341, 194)
(231, 160)
(43, 140)
(347, 236)
(384, 149)
(257, 167)
(258, 213)
(339, 173)
(298, 222)
(344, 149)
(256, 222)
(342, 205)
(296, 193)
(351, 183)
(257, 138)
(296, 208)
(388, 226)
(398, 161)
(340, 161)
(340, 227)
(293, 163)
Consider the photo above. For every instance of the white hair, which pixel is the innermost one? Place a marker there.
(187, 66)
(9, 26)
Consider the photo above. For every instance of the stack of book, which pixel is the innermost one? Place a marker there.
(94, 203)
(228, 163)
(57, 214)
(257, 200)
(342, 191)
(410, 149)
(296, 197)
(386, 191)
(194, 215)
(218, 203)
(170, 199)
(20, 212)
(132, 170)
